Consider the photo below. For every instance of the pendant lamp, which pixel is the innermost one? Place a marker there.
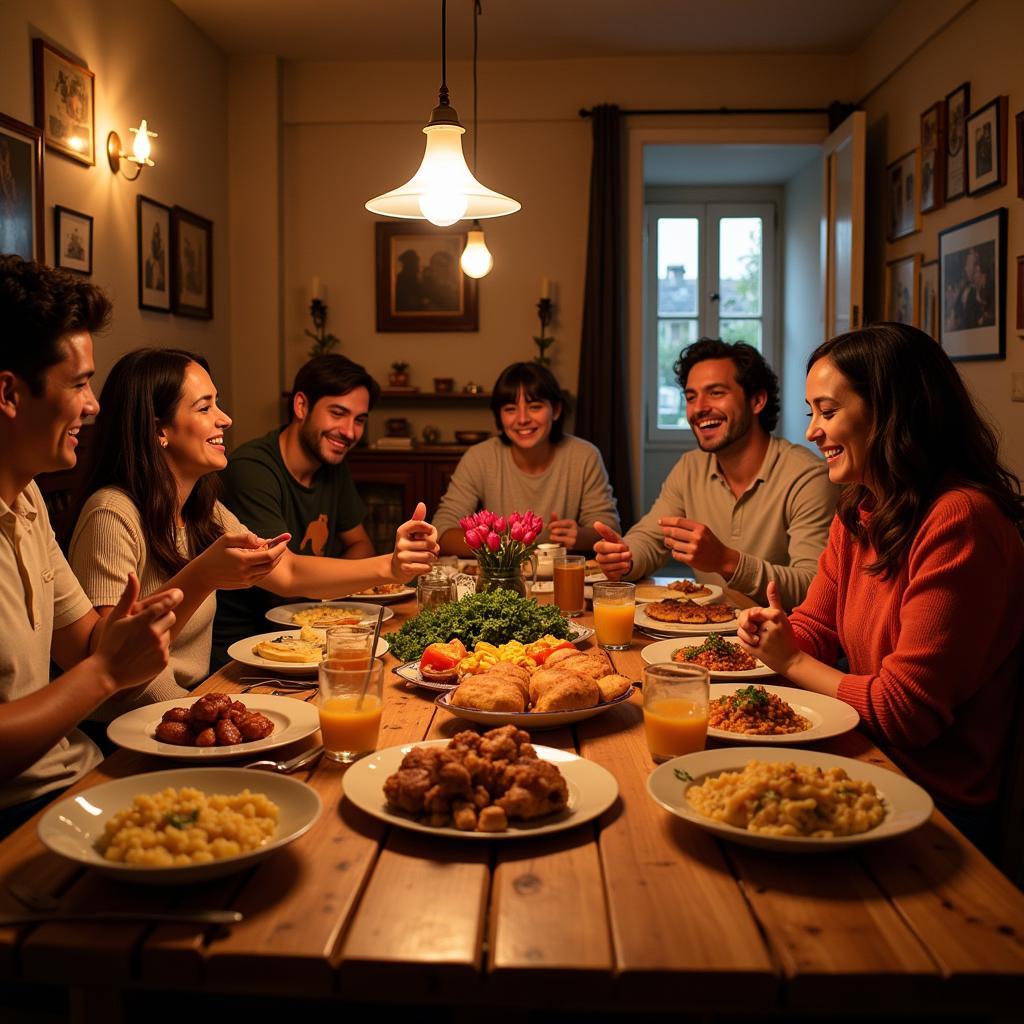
(443, 190)
(476, 260)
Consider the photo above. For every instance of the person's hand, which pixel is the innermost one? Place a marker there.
(697, 545)
(416, 547)
(563, 531)
(767, 634)
(133, 646)
(612, 552)
(238, 560)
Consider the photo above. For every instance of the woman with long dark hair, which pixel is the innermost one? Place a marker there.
(152, 509)
(920, 585)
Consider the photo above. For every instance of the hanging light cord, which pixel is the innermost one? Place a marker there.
(443, 94)
(476, 18)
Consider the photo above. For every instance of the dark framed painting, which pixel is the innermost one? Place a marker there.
(933, 157)
(972, 287)
(958, 106)
(902, 282)
(903, 196)
(1020, 154)
(420, 283)
(72, 240)
(930, 298)
(65, 103)
(986, 146)
(153, 240)
(21, 190)
(191, 264)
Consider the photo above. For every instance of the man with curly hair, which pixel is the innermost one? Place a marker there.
(745, 507)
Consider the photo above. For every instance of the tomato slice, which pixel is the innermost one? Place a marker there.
(539, 657)
(442, 657)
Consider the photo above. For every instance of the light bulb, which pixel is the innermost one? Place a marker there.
(476, 257)
(141, 147)
(443, 206)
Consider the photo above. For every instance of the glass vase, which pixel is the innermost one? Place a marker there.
(503, 579)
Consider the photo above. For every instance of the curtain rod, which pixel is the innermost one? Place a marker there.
(588, 112)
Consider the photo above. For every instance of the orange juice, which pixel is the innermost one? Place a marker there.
(346, 727)
(351, 658)
(613, 621)
(674, 726)
(568, 586)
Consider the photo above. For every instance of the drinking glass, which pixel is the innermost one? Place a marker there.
(614, 608)
(351, 644)
(350, 708)
(567, 572)
(675, 709)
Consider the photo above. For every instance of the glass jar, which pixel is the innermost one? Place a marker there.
(434, 589)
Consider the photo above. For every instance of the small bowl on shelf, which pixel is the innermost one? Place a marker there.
(444, 385)
(471, 436)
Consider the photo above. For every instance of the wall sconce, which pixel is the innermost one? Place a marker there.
(139, 155)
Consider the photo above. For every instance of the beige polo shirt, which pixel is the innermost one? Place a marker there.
(779, 524)
(38, 594)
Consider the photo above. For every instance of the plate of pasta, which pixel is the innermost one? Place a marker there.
(799, 801)
(724, 659)
(324, 614)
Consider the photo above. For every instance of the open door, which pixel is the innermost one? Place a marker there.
(842, 225)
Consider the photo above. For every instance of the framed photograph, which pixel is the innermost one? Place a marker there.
(986, 146)
(65, 103)
(958, 106)
(72, 240)
(21, 189)
(1020, 293)
(1020, 154)
(191, 264)
(420, 283)
(972, 286)
(933, 157)
(902, 284)
(929, 304)
(903, 195)
(152, 245)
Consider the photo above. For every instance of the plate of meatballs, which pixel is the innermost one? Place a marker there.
(215, 726)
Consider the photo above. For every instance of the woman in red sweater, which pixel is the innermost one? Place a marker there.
(920, 585)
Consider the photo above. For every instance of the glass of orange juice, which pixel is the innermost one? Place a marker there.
(350, 707)
(351, 644)
(675, 709)
(614, 608)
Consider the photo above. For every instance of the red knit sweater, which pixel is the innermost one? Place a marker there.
(934, 652)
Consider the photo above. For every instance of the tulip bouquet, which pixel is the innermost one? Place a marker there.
(500, 543)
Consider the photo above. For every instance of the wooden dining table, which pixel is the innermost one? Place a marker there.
(636, 911)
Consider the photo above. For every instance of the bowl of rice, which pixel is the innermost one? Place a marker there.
(181, 825)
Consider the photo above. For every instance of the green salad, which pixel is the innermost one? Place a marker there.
(497, 617)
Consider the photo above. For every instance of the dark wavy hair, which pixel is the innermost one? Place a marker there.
(926, 437)
(38, 306)
(331, 375)
(753, 374)
(538, 384)
(141, 392)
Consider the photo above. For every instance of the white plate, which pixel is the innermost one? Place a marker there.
(592, 790)
(241, 650)
(399, 595)
(283, 612)
(644, 621)
(715, 595)
(71, 827)
(662, 651)
(535, 720)
(293, 719)
(907, 804)
(827, 715)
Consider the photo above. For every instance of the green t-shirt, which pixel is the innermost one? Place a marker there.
(259, 489)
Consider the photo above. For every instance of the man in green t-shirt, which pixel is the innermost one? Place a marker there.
(293, 480)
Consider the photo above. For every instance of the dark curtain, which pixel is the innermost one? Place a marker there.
(602, 410)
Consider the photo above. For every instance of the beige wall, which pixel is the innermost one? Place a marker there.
(149, 61)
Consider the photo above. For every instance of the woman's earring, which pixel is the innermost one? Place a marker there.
(163, 442)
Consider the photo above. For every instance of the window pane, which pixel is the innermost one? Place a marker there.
(739, 265)
(673, 336)
(678, 265)
(741, 330)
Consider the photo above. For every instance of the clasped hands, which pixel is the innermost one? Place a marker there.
(766, 633)
(686, 539)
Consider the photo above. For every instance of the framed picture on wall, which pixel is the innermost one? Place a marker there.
(958, 106)
(929, 304)
(972, 284)
(933, 157)
(72, 240)
(21, 189)
(420, 283)
(903, 195)
(65, 101)
(902, 283)
(191, 264)
(153, 239)
(986, 146)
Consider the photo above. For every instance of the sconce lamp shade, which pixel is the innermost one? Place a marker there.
(476, 260)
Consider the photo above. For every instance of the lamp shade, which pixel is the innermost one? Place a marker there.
(443, 190)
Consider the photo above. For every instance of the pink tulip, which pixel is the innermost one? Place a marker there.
(498, 525)
(529, 537)
(467, 522)
(517, 531)
(514, 517)
(493, 541)
(473, 538)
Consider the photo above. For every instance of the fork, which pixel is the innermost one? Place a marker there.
(287, 684)
(284, 767)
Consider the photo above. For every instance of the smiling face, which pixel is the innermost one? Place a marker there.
(841, 424)
(333, 425)
(717, 408)
(527, 422)
(195, 435)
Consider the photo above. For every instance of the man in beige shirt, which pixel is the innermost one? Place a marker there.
(46, 362)
(745, 508)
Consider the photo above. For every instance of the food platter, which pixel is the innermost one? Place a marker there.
(657, 653)
(907, 804)
(405, 594)
(670, 629)
(72, 826)
(293, 720)
(647, 592)
(241, 650)
(530, 720)
(368, 612)
(592, 790)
